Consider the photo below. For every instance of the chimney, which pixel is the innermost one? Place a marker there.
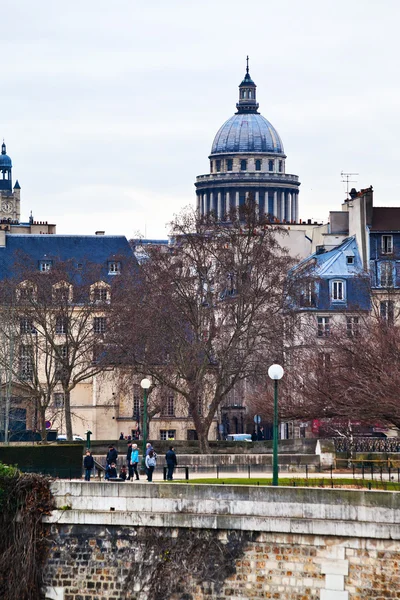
(100, 232)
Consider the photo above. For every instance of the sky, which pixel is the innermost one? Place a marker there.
(109, 109)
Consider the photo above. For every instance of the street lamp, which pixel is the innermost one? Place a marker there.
(275, 372)
(144, 384)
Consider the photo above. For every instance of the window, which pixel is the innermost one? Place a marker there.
(243, 165)
(324, 328)
(62, 292)
(308, 294)
(61, 325)
(258, 165)
(167, 434)
(270, 165)
(26, 293)
(58, 400)
(229, 164)
(386, 274)
(211, 166)
(26, 325)
(350, 260)
(249, 93)
(136, 402)
(387, 244)
(280, 166)
(324, 361)
(99, 324)
(59, 362)
(338, 293)
(387, 311)
(100, 294)
(352, 326)
(218, 165)
(168, 408)
(25, 363)
(45, 265)
(114, 268)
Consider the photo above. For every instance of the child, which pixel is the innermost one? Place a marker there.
(111, 472)
(88, 463)
(123, 473)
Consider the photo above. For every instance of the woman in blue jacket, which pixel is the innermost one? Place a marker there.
(135, 461)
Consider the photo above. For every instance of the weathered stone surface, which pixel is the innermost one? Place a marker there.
(286, 544)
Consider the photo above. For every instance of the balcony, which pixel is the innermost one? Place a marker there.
(251, 176)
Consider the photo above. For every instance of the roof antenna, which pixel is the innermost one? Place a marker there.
(247, 67)
(346, 179)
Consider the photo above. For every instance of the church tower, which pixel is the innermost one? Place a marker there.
(10, 198)
(247, 159)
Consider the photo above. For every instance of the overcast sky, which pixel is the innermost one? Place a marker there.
(109, 109)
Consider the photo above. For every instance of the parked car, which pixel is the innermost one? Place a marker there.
(63, 438)
(239, 437)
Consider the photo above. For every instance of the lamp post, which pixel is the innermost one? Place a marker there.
(275, 372)
(144, 384)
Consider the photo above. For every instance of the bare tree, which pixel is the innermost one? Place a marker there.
(62, 319)
(206, 312)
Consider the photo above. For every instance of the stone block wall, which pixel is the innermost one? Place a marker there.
(112, 563)
(183, 542)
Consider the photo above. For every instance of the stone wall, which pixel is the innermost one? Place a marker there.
(170, 542)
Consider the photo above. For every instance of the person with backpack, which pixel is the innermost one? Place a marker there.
(88, 463)
(151, 461)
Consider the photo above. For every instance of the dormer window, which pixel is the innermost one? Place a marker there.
(45, 265)
(114, 267)
(387, 244)
(338, 291)
(350, 260)
(258, 165)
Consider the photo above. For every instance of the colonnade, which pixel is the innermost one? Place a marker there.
(282, 204)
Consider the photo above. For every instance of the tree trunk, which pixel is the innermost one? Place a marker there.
(203, 442)
(68, 417)
(43, 430)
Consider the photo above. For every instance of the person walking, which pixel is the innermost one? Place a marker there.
(88, 463)
(128, 460)
(151, 461)
(134, 461)
(170, 457)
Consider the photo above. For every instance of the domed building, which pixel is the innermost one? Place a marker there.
(10, 197)
(247, 158)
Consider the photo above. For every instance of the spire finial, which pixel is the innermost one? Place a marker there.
(247, 65)
(3, 147)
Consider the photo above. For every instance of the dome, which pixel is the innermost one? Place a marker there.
(247, 133)
(5, 161)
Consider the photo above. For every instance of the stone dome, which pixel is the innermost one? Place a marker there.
(247, 132)
(5, 161)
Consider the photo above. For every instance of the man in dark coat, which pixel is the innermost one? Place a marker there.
(170, 457)
(88, 463)
(112, 455)
(128, 460)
